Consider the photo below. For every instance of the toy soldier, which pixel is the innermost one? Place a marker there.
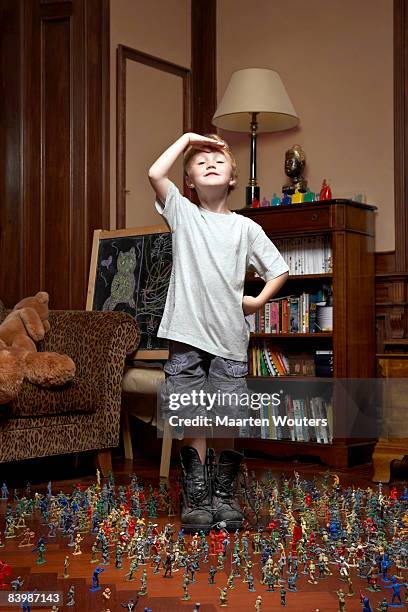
(17, 583)
(41, 554)
(130, 605)
(372, 577)
(106, 594)
(350, 587)
(157, 562)
(186, 595)
(292, 582)
(118, 557)
(27, 539)
(134, 564)
(342, 600)
(94, 552)
(258, 604)
(283, 596)
(220, 564)
(312, 569)
(251, 582)
(223, 597)
(70, 596)
(167, 565)
(143, 582)
(212, 572)
(66, 563)
(230, 582)
(77, 549)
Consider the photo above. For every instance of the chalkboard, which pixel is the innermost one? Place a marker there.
(130, 272)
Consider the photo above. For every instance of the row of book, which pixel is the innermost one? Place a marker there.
(290, 314)
(306, 254)
(307, 419)
(266, 360)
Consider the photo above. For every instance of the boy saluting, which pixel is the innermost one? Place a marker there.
(204, 315)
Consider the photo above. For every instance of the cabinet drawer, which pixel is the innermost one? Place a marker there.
(286, 220)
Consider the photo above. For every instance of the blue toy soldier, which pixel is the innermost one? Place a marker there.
(95, 578)
(395, 586)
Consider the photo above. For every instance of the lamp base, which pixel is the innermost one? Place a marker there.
(252, 196)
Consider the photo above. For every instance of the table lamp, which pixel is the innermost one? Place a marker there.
(255, 98)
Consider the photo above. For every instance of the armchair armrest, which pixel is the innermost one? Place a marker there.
(97, 342)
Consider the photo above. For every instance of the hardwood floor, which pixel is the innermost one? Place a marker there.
(162, 594)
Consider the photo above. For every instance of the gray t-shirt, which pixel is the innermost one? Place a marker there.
(211, 253)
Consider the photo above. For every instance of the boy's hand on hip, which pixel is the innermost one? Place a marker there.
(202, 143)
(250, 304)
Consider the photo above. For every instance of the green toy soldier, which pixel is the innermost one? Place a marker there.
(41, 553)
(94, 552)
(342, 600)
(134, 564)
(212, 572)
(230, 582)
(223, 597)
(220, 564)
(118, 557)
(186, 595)
(383, 605)
(143, 582)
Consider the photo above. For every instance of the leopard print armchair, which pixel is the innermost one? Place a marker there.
(84, 414)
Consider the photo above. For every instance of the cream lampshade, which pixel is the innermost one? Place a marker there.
(255, 98)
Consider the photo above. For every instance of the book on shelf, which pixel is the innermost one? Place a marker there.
(267, 360)
(296, 419)
(307, 254)
(289, 314)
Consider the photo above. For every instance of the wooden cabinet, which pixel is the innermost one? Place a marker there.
(350, 228)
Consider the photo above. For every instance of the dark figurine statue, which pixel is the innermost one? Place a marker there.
(294, 166)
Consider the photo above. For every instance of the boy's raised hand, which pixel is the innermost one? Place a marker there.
(203, 143)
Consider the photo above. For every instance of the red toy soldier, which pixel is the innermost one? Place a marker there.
(220, 540)
(213, 543)
(5, 572)
(297, 533)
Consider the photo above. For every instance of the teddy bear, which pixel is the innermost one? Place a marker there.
(27, 324)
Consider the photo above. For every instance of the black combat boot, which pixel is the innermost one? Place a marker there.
(196, 511)
(224, 503)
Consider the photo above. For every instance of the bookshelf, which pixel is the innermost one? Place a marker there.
(346, 229)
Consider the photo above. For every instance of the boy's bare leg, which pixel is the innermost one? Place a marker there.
(200, 444)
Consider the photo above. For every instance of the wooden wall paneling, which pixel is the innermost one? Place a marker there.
(11, 251)
(31, 232)
(392, 266)
(203, 64)
(401, 134)
(61, 181)
(55, 145)
(97, 49)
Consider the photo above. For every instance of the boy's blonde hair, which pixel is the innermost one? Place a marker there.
(191, 151)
